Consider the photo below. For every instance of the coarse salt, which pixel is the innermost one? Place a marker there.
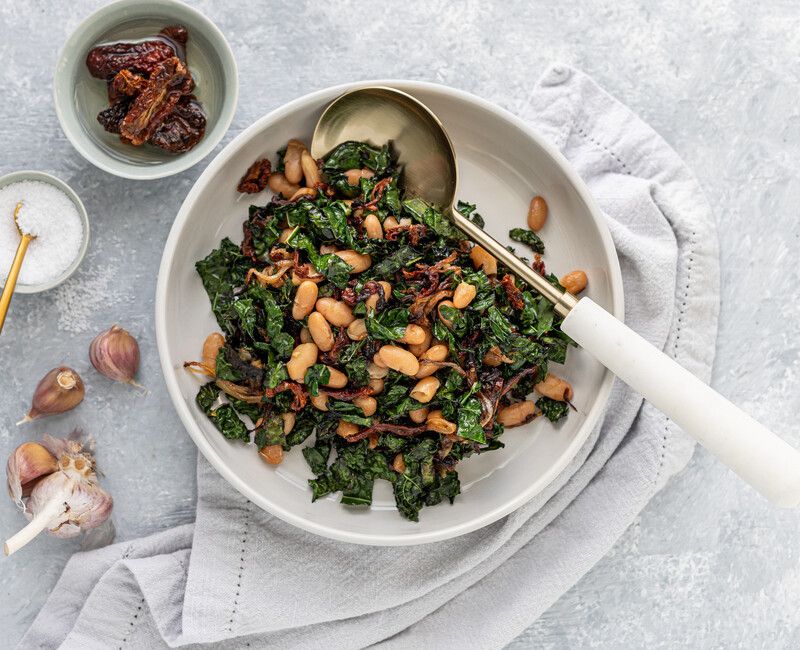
(47, 213)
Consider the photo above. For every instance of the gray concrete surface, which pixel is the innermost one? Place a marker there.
(708, 563)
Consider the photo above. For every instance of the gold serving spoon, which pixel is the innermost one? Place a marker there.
(379, 115)
(16, 265)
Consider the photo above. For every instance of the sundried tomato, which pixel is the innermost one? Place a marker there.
(348, 394)
(183, 128)
(104, 61)
(125, 84)
(513, 293)
(396, 429)
(299, 392)
(349, 296)
(415, 231)
(167, 84)
(111, 117)
(538, 264)
(256, 177)
(177, 33)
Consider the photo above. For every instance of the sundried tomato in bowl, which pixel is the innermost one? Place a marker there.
(151, 91)
(145, 91)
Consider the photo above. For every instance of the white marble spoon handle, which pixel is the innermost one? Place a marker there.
(757, 455)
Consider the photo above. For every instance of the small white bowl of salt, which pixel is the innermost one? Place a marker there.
(53, 213)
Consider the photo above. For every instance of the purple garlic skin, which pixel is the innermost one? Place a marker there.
(66, 500)
(86, 504)
(58, 391)
(26, 465)
(115, 354)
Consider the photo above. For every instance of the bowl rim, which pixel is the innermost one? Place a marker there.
(379, 539)
(44, 177)
(183, 161)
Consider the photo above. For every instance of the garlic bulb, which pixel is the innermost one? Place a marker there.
(59, 390)
(115, 354)
(67, 500)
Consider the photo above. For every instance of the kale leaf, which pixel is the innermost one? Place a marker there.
(317, 455)
(485, 296)
(353, 474)
(538, 315)
(401, 258)
(306, 422)
(263, 228)
(394, 402)
(336, 213)
(389, 325)
(206, 396)
(468, 210)
(469, 421)
(231, 367)
(247, 315)
(420, 484)
(333, 267)
(552, 409)
(390, 200)
(253, 411)
(348, 412)
(356, 371)
(449, 394)
(356, 155)
(522, 349)
(224, 368)
(270, 432)
(527, 237)
(273, 314)
(434, 219)
(499, 325)
(223, 416)
(316, 376)
(283, 344)
(222, 271)
(459, 322)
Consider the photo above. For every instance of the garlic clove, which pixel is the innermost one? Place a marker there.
(115, 354)
(27, 464)
(59, 390)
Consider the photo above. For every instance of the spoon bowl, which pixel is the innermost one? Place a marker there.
(16, 223)
(379, 115)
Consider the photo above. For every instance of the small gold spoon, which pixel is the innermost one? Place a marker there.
(16, 265)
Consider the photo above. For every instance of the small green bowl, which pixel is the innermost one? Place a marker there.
(79, 97)
(31, 175)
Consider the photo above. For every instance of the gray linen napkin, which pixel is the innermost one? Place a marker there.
(239, 577)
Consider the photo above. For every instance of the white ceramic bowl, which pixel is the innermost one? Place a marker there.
(79, 97)
(502, 163)
(42, 177)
